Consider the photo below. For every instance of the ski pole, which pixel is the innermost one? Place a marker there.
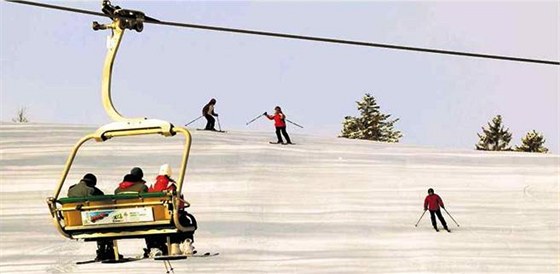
(166, 268)
(254, 119)
(194, 120)
(219, 126)
(293, 123)
(450, 216)
(420, 218)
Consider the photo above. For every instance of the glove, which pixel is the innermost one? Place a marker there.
(425, 208)
(442, 206)
(265, 114)
(216, 114)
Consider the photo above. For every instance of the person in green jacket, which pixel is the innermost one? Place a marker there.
(86, 187)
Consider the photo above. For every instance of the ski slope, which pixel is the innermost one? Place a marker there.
(325, 205)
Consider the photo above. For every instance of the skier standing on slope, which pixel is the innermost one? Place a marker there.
(208, 112)
(280, 124)
(433, 202)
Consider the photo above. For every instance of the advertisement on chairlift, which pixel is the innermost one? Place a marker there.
(117, 216)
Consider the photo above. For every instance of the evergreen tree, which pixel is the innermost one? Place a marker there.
(352, 128)
(532, 142)
(495, 137)
(372, 124)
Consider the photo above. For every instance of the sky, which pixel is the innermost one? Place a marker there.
(51, 63)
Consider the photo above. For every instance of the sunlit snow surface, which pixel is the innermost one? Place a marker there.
(323, 205)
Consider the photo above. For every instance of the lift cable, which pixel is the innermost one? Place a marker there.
(303, 37)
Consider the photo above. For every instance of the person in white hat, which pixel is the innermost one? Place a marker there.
(164, 182)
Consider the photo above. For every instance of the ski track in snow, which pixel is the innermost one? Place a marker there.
(326, 205)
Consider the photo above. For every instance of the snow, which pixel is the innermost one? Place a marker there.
(325, 205)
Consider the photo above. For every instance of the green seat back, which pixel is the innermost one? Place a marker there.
(120, 196)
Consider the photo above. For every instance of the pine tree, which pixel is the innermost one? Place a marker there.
(352, 128)
(495, 137)
(372, 124)
(532, 142)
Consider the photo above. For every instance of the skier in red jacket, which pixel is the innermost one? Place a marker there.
(280, 124)
(433, 202)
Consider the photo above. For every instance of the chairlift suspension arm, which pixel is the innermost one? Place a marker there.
(113, 44)
(122, 20)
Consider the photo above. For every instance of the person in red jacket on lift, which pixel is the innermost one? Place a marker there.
(433, 202)
(165, 183)
(280, 124)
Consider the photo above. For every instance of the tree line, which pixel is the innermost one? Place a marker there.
(374, 125)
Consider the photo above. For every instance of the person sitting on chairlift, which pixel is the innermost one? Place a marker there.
(165, 183)
(86, 187)
(133, 182)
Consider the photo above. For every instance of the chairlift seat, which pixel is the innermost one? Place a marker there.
(119, 216)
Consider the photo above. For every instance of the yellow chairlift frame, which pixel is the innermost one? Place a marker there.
(122, 127)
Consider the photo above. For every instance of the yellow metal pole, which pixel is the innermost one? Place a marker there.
(116, 250)
(185, 158)
(112, 47)
(69, 163)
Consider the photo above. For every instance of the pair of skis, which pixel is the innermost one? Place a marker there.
(276, 143)
(219, 131)
(437, 230)
(157, 258)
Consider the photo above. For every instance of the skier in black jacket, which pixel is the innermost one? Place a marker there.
(208, 112)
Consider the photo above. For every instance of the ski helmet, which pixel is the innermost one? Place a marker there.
(430, 190)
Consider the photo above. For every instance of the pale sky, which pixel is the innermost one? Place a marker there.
(51, 62)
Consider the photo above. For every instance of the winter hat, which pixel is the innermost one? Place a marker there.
(137, 172)
(90, 179)
(165, 170)
(129, 178)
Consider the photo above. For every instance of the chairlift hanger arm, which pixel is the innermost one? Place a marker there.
(302, 37)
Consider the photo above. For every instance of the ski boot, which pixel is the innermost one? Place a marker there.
(188, 248)
(176, 249)
(155, 252)
(106, 252)
(435, 227)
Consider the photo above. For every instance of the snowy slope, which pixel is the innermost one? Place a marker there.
(324, 205)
